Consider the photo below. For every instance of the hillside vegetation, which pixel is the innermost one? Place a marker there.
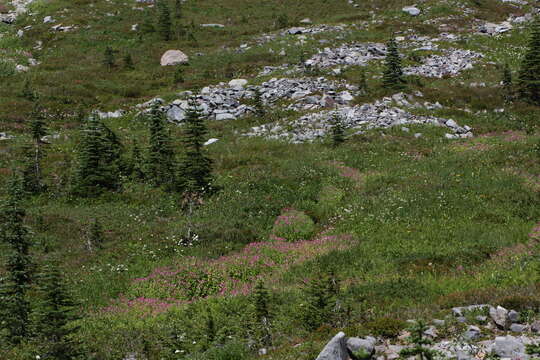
(306, 227)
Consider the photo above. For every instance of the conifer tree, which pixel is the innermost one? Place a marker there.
(319, 302)
(529, 74)
(261, 300)
(393, 72)
(178, 75)
(98, 167)
(94, 235)
(108, 58)
(28, 91)
(32, 181)
(136, 163)
(164, 21)
(196, 167)
(161, 161)
(419, 341)
(15, 308)
(338, 130)
(128, 62)
(507, 84)
(210, 328)
(178, 13)
(54, 317)
(258, 103)
(362, 84)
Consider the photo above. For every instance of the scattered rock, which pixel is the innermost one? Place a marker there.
(211, 141)
(238, 83)
(366, 345)
(518, 328)
(218, 26)
(5, 136)
(513, 316)
(411, 10)
(174, 57)
(335, 349)
(499, 315)
(509, 347)
(450, 64)
(472, 333)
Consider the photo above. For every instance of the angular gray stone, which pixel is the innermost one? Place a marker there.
(336, 349)
(518, 328)
(513, 316)
(508, 347)
(535, 327)
(472, 333)
(366, 345)
(499, 315)
(176, 113)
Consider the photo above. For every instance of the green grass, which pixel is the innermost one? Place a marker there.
(410, 226)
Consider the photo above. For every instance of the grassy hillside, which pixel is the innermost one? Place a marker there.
(410, 226)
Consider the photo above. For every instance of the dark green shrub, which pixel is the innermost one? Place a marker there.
(386, 327)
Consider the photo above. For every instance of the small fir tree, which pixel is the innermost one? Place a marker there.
(54, 317)
(507, 84)
(136, 163)
(338, 130)
(529, 74)
(420, 342)
(164, 21)
(14, 285)
(98, 155)
(196, 166)
(37, 129)
(147, 25)
(362, 83)
(28, 91)
(320, 300)
(393, 72)
(261, 301)
(178, 75)
(210, 329)
(109, 59)
(128, 62)
(259, 104)
(178, 13)
(161, 160)
(94, 235)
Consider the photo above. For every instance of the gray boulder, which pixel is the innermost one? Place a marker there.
(509, 347)
(535, 327)
(513, 316)
(176, 114)
(336, 349)
(366, 345)
(518, 328)
(500, 317)
(472, 333)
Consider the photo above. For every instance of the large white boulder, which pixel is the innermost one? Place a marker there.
(174, 57)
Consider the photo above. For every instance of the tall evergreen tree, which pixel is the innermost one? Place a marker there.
(393, 72)
(196, 166)
(164, 21)
(529, 74)
(28, 91)
(161, 161)
(94, 235)
(98, 155)
(54, 317)
(15, 308)
(507, 84)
